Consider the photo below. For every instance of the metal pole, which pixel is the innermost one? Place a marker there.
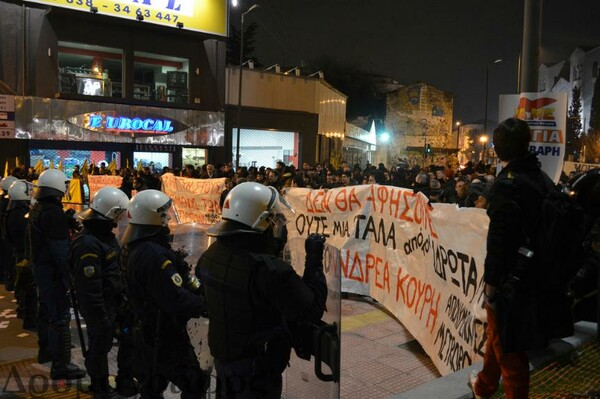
(458, 137)
(487, 81)
(532, 36)
(239, 110)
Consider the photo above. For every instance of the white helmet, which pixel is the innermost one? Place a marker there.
(51, 183)
(7, 182)
(108, 204)
(249, 207)
(19, 192)
(148, 213)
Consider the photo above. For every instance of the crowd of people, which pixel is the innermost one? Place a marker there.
(142, 292)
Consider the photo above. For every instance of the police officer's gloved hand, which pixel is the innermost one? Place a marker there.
(314, 246)
(192, 283)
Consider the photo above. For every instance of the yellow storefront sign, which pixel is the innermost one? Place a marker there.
(209, 16)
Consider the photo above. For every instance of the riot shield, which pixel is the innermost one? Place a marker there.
(319, 377)
(192, 239)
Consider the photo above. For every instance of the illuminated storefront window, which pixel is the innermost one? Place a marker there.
(90, 70)
(193, 156)
(265, 147)
(155, 160)
(70, 158)
(160, 78)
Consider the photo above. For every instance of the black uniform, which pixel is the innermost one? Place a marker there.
(162, 305)
(48, 235)
(7, 272)
(25, 289)
(99, 290)
(251, 295)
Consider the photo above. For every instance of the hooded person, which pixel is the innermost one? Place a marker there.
(251, 294)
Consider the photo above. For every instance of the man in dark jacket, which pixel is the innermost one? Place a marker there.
(514, 203)
(99, 290)
(163, 296)
(252, 295)
(48, 236)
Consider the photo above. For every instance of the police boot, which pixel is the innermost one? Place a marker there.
(127, 386)
(66, 371)
(100, 389)
(62, 368)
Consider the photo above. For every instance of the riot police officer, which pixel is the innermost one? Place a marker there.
(252, 295)
(6, 269)
(48, 240)
(16, 227)
(99, 290)
(163, 296)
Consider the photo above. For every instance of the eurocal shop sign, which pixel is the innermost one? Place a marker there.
(138, 124)
(209, 16)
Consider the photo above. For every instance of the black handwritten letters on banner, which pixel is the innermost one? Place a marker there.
(423, 263)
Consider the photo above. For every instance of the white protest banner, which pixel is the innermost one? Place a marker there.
(423, 264)
(96, 182)
(578, 167)
(546, 114)
(194, 200)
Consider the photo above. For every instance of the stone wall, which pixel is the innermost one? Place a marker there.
(416, 115)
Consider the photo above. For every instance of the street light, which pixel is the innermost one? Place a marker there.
(484, 140)
(487, 84)
(458, 136)
(239, 110)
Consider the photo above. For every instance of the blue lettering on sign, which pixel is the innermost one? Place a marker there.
(171, 5)
(544, 150)
(95, 121)
(135, 124)
(112, 122)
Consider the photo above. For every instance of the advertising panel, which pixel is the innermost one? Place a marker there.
(546, 114)
(208, 16)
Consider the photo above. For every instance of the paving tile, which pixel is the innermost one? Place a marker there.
(373, 332)
(394, 339)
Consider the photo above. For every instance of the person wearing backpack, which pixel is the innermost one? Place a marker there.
(523, 303)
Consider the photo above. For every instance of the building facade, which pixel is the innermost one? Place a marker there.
(126, 84)
(417, 116)
(579, 70)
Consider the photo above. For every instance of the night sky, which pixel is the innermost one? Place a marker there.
(446, 43)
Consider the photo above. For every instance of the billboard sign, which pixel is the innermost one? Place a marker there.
(208, 16)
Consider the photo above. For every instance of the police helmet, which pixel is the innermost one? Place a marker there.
(18, 192)
(585, 188)
(248, 208)
(51, 183)
(108, 204)
(148, 214)
(7, 182)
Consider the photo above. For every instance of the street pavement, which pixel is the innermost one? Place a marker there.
(379, 357)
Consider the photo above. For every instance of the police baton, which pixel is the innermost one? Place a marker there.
(77, 318)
